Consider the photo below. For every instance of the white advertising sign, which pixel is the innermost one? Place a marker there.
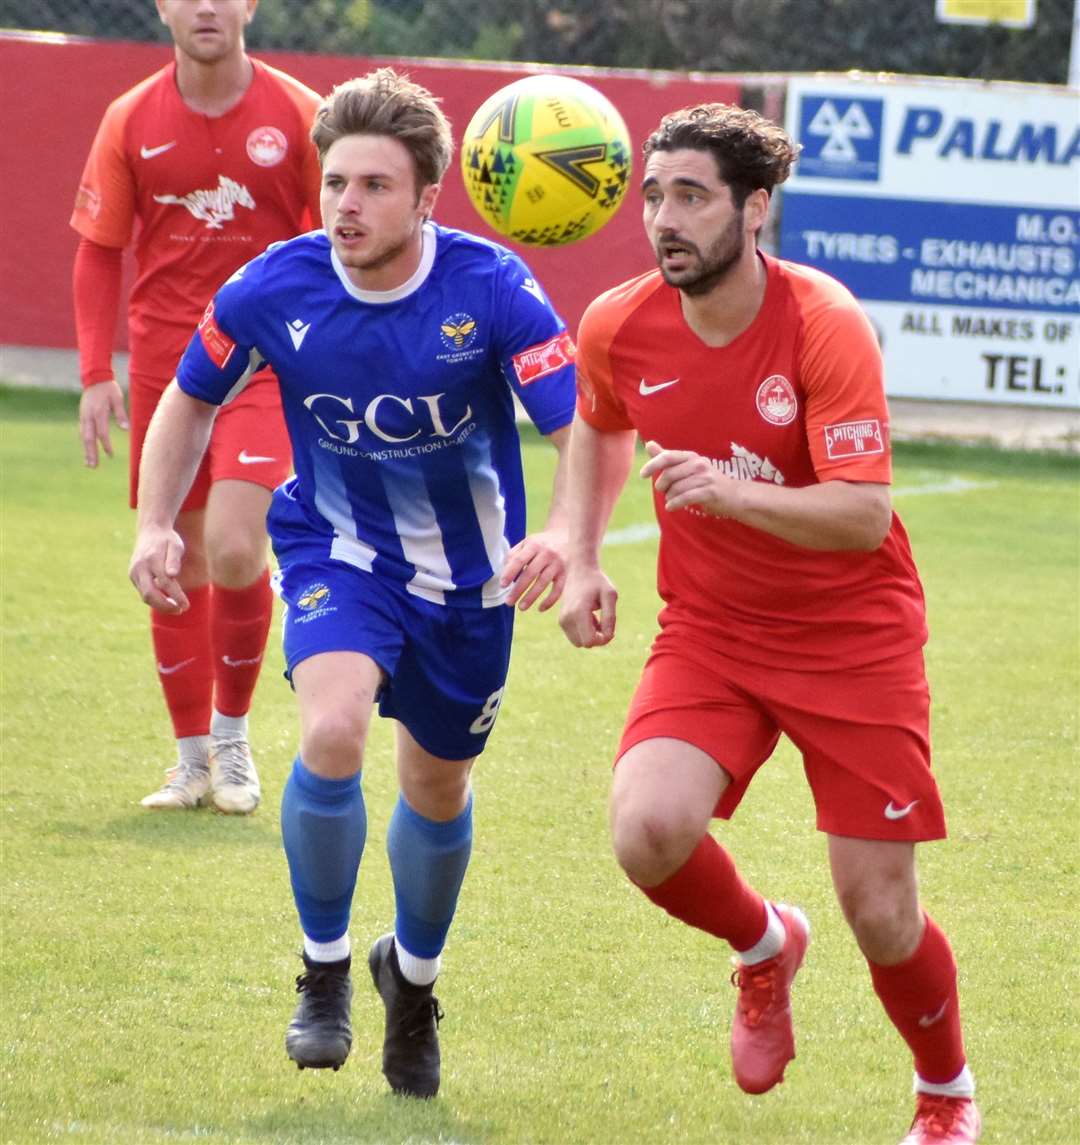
(952, 212)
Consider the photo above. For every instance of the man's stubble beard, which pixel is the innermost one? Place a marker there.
(723, 253)
(376, 261)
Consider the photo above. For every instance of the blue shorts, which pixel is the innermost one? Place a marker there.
(445, 666)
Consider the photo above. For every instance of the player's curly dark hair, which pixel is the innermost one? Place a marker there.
(751, 152)
(386, 103)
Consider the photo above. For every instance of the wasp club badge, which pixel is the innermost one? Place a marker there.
(313, 597)
(776, 400)
(458, 331)
(266, 146)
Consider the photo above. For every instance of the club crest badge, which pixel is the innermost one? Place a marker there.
(776, 400)
(266, 146)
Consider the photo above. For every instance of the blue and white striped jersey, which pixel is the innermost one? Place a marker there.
(399, 404)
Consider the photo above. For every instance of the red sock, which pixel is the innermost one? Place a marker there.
(182, 647)
(239, 623)
(708, 892)
(921, 999)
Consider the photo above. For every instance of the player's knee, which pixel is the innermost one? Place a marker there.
(236, 560)
(886, 921)
(332, 743)
(652, 843)
(436, 797)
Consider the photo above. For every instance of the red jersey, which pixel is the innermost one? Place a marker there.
(210, 193)
(795, 399)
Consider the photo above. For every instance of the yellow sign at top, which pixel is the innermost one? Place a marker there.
(1010, 13)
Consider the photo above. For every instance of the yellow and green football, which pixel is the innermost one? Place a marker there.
(546, 160)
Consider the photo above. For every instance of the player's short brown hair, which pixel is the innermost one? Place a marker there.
(750, 151)
(386, 103)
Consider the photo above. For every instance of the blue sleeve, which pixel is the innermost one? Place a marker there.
(536, 351)
(221, 353)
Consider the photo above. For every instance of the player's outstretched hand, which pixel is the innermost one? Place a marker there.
(97, 404)
(155, 566)
(533, 566)
(685, 478)
(587, 616)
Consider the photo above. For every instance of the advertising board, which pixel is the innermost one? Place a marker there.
(952, 212)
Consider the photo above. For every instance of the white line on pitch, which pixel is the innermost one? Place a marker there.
(952, 485)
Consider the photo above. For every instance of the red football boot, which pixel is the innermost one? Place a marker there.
(944, 1121)
(762, 1040)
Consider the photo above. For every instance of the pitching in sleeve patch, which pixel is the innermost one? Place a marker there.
(217, 344)
(854, 439)
(539, 361)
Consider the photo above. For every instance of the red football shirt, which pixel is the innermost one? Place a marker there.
(209, 192)
(795, 399)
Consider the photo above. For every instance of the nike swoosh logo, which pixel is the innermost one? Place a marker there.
(645, 389)
(229, 662)
(246, 458)
(151, 152)
(168, 671)
(930, 1019)
(894, 812)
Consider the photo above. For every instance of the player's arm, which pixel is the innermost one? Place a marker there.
(600, 462)
(833, 515)
(176, 440)
(306, 102)
(103, 217)
(538, 562)
(537, 359)
(311, 175)
(849, 508)
(96, 279)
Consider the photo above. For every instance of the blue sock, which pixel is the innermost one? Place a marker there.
(428, 861)
(323, 827)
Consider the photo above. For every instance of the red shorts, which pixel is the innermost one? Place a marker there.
(863, 732)
(249, 441)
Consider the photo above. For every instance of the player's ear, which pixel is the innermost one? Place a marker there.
(161, 12)
(251, 6)
(428, 196)
(756, 210)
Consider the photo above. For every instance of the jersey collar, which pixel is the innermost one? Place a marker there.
(412, 284)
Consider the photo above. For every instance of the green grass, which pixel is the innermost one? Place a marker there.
(148, 959)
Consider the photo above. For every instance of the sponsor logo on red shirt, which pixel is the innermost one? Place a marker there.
(88, 200)
(215, 206)
(217, 344)
(266, 146)
(745, 465)
(539, 361)
(776, 400)
(854, 439)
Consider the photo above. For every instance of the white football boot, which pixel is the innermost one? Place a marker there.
(234, 783)
(185, 788)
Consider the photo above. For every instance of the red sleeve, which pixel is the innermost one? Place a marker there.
(306, 103)
(847, 418)
(312, 176)
(105, 203)
(96, 281)
(597, 402)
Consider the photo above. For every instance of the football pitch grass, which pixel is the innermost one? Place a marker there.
(148, 959)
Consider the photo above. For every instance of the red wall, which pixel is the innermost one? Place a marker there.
(56, 90)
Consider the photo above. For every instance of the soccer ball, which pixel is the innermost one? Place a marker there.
(546, 160)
